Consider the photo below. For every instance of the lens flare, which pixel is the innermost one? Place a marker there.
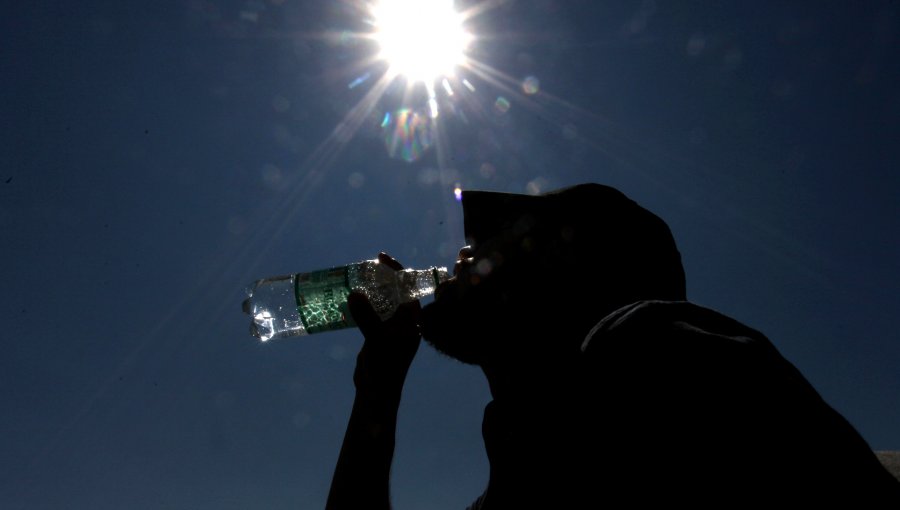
(407, 134)
(501, 105)
(531, 85)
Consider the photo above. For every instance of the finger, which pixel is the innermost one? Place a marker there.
(461, 264)
(389, 261)
(464, 256)
(361, 310)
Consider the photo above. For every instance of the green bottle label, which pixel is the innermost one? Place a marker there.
(322, 299)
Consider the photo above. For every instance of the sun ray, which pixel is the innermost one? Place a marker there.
(310, 174)
(481, 8)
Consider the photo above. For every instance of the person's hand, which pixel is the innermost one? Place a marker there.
(389, 346)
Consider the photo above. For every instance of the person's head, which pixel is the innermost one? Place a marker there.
(545, 269)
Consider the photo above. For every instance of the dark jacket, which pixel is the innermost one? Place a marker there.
(673, 402)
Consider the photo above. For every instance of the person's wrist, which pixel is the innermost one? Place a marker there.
(380, 407)
(380, 370)
(386, 392)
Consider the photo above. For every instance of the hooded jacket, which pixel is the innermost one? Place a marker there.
(676, 403)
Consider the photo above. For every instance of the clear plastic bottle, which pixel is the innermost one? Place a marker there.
(308, 303)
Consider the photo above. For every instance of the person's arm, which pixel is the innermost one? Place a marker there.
(362, 475)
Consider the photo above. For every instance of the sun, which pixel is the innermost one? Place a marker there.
(421, 40)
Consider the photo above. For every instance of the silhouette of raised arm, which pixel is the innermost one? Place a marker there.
(362, 475)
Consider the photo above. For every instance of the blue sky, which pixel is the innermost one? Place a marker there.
(159, 156)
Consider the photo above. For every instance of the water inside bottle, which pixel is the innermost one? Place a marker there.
(273, 308)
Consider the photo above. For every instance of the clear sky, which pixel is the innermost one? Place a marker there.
(155, 157)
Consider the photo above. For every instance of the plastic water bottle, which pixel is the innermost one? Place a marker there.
(308, 303)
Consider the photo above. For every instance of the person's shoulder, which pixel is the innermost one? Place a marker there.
(655, 319)
(478, 504)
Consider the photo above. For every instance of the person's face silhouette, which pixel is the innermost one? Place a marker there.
(499, 291)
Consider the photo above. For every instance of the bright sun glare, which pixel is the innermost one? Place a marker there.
(422, 40)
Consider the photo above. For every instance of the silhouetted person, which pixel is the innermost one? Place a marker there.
(609, 388)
